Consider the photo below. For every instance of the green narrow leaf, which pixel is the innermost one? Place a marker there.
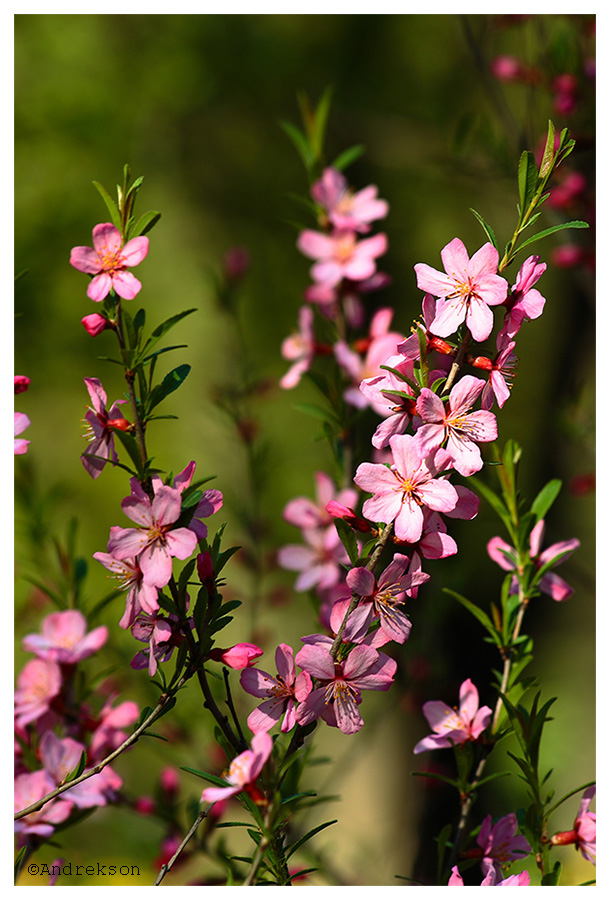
(300, 142)
(348, 539)
(320, 120)
(308, 836)
(546, 498)
(478, 613)
(145, 223)
(492, 498)
(348, 156)
(110, 204)
(170, 383)
(78, 770)
(576, 223)
(486, 228)
(528, 174)
(546, 166)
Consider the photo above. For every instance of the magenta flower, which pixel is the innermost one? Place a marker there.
(61, 756)
(550, 583)
(500, 844)
(501, 374)
(100, 422)
(319, 560)
(468, 286)
(154, 542)
(341, 255)
(453, 727)
(381, 599)
(283, 691)
(299, 348)
(108, 262)
(110, 733)
(243, 771)
(20, 383)
(31, 787)
(380, 344)
(310, 514)
(583, 835)
(463, 430)
(524, 302)
(37, 684)
(141, 597)
(338, 697)
(344, 208)
(20, 423)
(490, 879)
(402, 492)
(63, 638)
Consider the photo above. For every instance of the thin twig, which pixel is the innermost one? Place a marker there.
(167, 866)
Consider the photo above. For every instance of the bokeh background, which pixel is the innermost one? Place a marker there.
(194, 103)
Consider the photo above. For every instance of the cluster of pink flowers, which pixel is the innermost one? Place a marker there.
(345, 268)
(141, 557)
(53, 728)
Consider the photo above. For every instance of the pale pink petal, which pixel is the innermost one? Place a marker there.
(135, 250)
(361, 581)
(106, 238)
(85, 259)
(431, 280)
(455, 260)
(479, 319)
(126, 285)
(99, 287)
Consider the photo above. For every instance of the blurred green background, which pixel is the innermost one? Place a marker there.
(194, 103)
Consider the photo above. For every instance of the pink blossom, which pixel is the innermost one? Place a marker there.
(162, 632)
(380, 345)
(141, 597)
(240, 656)
(381, 599)
(318, 560)
(550, 583)
(169, 780)
(500, 844)
(583, 834)
(108, 262)
(341, 255)
(283, 691)
(346, 209)
(95, 324)
(154, 542)
(490, 879)
(507, 68)
(21, 383)
(37, 684)
(209, 503)
(391, 396)
(402, 492)
(63, 638)
(61, 756)
(468, 286)
(100, 422)
(299, 348)
(463, 430)
(453, 727)
(524, 301)
(338, 697)
(20, 423)
(31, 787)
(308, 514)
(243, 771)
(500, 374)
(110, 733)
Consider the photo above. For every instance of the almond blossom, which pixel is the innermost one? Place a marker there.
(37, 684)
(109, 732)
(337, 699)
(463, 430)
(31, 787)
(306, 513)
(154, 541)
(64, 638)
(380, 344)
(550, 583)
(583, 835)
(108, 262)
(500, 844)
(141, 597)
(380, 599)
(243, 771)
(403, 491)
(345, 208)
(524, 302)
(454, 726)
(60, 757)
(299, 348)
(100, 422)
(283, 691)
(20, 423)
(318, 560)
(391, 396)
(341, 255)
(467, 286)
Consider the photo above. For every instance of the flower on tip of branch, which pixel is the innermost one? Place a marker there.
(108, 262)
(454, 726)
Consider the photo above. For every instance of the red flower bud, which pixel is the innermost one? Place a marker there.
(120, 424)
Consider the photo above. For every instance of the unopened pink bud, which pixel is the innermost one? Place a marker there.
(241, 656)
(236, 262)
(567, 255)
(22, 383)
(95, 324)
(169, 780)
(205, 570)
(507, 68)
(145, 806)
(566, 83)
